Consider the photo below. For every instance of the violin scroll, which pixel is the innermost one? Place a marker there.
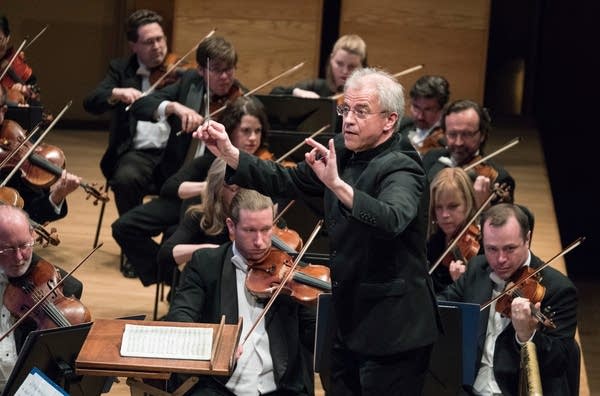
(99, 194)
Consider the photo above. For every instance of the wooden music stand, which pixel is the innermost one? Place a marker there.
(100, 355)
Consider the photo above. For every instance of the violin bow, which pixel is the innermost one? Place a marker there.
(36, 37)
(51, 291)
(285, 279)
(13, 59)
(170, 69)
(508, 145)
(399, 74)
(571, 246)
(463, 230)
(293, 150)
(34, 145)
(285, 73)
(20, 145)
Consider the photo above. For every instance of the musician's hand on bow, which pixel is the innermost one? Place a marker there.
(190, 119)
(482, 188)
(456, 269)
(124, 95)
(303, 93)
(214, 135)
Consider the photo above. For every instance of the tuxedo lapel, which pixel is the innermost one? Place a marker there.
(229, 306)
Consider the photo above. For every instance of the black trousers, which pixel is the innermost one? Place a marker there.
(397, 374)
(134, 178)
(134, 231)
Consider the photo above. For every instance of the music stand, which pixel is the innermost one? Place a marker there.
(291, 113)
(53, 352)
(452, 363)
(100, 355)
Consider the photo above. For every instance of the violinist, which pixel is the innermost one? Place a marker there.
(506, 241)
(135, 148)
(278, 355)
(19, 80)
(247, 121)
(349, 53)
(466, 127)
(428, 96)
(17, 260)
(42, 204)
(452, 203)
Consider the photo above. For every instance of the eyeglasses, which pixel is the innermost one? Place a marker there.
(13, 249)
(465, 135)
(221, 70)
(361, 112)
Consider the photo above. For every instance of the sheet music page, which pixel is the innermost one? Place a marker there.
(37, 384)
(167, 342)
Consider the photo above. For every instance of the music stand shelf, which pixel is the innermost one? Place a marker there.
(100, 354)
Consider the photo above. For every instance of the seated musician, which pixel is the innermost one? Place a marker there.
(17, 260)
(19, 81)
(135, 148)
(278, 353)
(506, 240)
(451, 204)
(134, 231)
(42, 204)
(466, 127)
(349, 53)
(428, 96)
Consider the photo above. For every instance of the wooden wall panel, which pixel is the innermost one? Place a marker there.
(449, 38)
(270, 36)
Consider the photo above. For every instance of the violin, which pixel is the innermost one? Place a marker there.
(19, 72)
(524, 283)
(304, 286)
(434, 140)
(483, 169)
(10, 196)
(43, 167)
(56, 310)
(157, 72)
(466, 247)
(265, 154)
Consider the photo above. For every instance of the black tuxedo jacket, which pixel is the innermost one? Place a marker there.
(208, 290)
(554, 346)
(121, 74)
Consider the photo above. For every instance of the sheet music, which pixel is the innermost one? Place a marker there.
(37, 384)
(167, 342)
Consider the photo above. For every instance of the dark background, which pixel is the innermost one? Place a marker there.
(558, 42)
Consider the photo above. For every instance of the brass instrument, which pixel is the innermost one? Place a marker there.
(530, 383)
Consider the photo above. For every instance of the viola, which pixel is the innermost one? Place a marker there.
(43, 167)
(466, 247)
(523, 283)
(304, 286)
(56, 311)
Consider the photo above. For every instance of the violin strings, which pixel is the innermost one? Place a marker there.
(48, 307)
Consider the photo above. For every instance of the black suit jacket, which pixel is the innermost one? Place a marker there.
(554, 346)
(208, 290)
(382, 295)
(121, 74)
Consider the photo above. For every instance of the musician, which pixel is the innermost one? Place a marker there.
(466, 127)
(278, 353)
(506, 242)
(20, 79)
(349, 53)
(42, 204)
(452, 203)
(246, 120)
(375, 200)
(428, 96)
(135, 148)
(16, 259)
